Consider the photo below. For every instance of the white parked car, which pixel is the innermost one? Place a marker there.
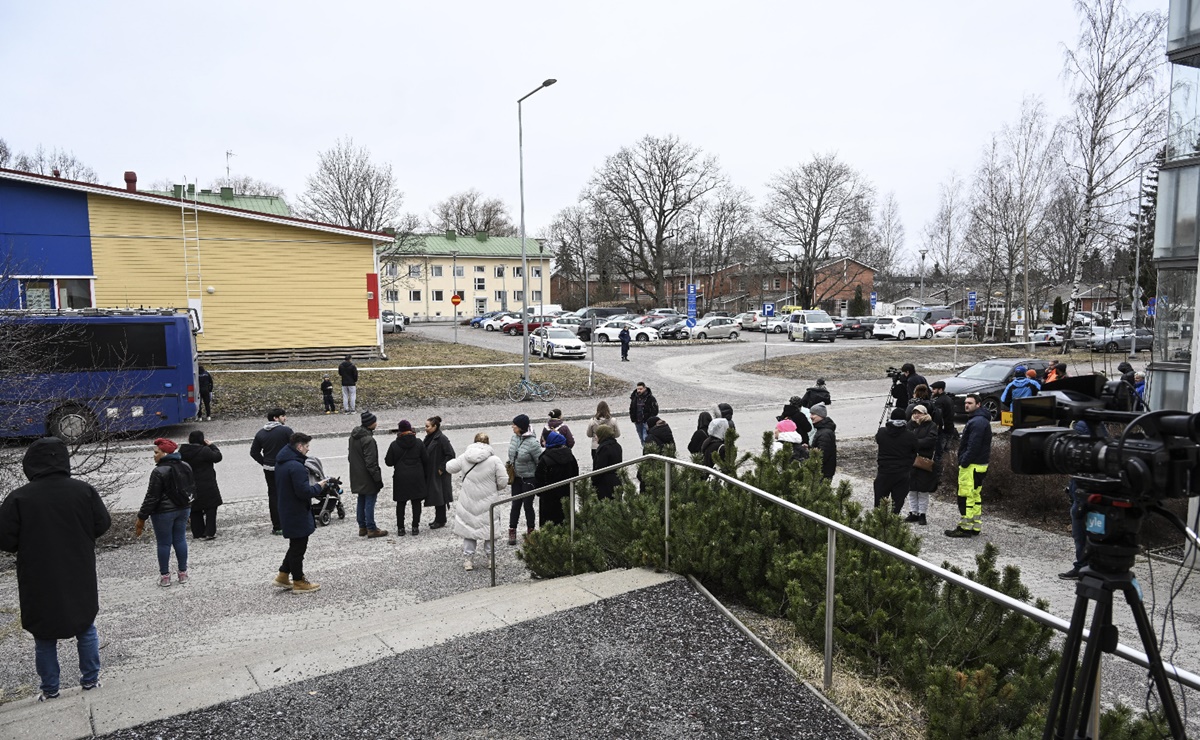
(962, 331)
(499, 321)
(714, 327)
(1052, 335)
(902, 327)
(610, 331)
(570, 323)
(552, 341)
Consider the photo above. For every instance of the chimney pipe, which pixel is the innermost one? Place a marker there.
(55, 172)
(131, 181)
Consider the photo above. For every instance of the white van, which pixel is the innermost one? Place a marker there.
(811, 326)
(544, 309)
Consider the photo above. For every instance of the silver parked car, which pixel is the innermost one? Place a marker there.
(714, 327)
(1121, 340)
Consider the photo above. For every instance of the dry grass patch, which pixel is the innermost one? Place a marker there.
(251, 394)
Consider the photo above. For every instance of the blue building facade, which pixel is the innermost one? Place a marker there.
(45, 247)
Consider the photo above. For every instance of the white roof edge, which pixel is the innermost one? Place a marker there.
(164, 200)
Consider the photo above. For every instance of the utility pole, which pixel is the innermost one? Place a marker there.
(1025, 296)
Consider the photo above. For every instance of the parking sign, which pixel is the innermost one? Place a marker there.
(971, 301)
(874, 298)
(769, 310)
(691, 300)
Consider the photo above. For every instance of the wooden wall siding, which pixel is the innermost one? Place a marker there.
(276, 286)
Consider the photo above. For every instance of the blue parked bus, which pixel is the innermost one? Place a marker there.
(80, 374)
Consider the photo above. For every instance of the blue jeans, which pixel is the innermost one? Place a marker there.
(366, 510)
(1078, 523)
(640, 426)
(170, 529)
(45, 653)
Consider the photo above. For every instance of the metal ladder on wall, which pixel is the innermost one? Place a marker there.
(192, 275)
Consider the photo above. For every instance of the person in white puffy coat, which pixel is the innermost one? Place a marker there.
(484, 480)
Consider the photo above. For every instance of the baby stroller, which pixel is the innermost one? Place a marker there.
(323, 508)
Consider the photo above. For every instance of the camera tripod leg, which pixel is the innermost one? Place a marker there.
(1066, 671)
(1103, 639)
(1150, 644)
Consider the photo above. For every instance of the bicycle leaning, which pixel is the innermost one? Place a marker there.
(526, 388)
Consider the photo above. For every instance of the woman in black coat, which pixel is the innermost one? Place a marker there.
(556, 464)
(441, 492)
(923, 482)
(607, 453)
(202, 455)
(412, 477)
(700, 434)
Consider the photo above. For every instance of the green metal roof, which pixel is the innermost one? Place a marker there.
(271, 204)
(470, 246)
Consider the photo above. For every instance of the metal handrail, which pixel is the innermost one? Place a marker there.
(1187, 678)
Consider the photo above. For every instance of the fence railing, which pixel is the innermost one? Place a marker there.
(833, 529)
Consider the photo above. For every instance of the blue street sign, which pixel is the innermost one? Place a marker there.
(874, 299)
(769, 310)
(690, 321)
(971, 301)
(691, 302)
(1151, 304)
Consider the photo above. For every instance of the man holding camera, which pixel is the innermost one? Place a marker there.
(974, 452)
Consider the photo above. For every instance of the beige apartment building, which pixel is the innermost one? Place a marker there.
(485, 271)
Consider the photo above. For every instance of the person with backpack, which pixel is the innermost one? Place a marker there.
(816, 394)
(168, 505)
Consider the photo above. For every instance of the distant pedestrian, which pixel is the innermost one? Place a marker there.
(923, 481)
(795, 411)
(816, 394)
(52, 523)
(205, 382)
(1021, 386)
(945, 406)
(203, 456)
(412, 475)
(366, 475)
(268, 443)
(624, 337)
(327, 395)
(897, 448)
(642, 406)
(912, 379)
(556, 424)
(483, 481)
(658, 435)
(1139, 388)
(974, 452)
(168, 505)
(523, 454)
(441, 492)
(714, 443)
(1127, 372)
(785, 431)
(724, 411)
(296, 495)
(1056, 371)
(824, 439)
(608, 453)
(603, 418)
(348, 372)
(557, 463)
(696, 444)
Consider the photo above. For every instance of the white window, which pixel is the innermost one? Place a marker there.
(390, 269)
(480, 283)
(535, 295)
(458, 271)
(480, 269)
(500, 296)
(777, 283)
(518, 295)
(461, 294)
(437, 295)
(414, 296)
(436, 271)
(392, 296)
(499, 271)
(537, 271)
(518, 271)
(414, 271)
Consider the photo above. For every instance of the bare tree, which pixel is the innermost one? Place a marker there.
(247, 185)
(6, 154)
(819, 207)
(45, 162)
(945, 234)
(640, 197)
(350, 190)
(1117, 124)
(469, 212)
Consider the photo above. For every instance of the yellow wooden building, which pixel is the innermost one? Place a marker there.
(262, 285)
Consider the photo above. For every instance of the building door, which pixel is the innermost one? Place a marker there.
(480, 306)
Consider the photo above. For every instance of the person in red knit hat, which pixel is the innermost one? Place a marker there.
(168, 506)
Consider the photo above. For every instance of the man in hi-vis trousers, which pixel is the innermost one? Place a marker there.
(974, 451)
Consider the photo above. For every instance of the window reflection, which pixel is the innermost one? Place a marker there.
(1175, 312)
(1183, 124)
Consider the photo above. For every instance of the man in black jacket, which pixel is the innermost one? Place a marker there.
(897, 451)
(824, 439)
(52, 523)
(912, 379)
(974, 452)
(348, 372)
(642, 407)
(366, 477)
(945, 406)
(816, 394)
(269, 440)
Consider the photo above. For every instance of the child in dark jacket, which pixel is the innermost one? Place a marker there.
(327, 395)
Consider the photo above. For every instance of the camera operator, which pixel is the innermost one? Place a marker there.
(903, 387)
(974, 452)
(944, 403)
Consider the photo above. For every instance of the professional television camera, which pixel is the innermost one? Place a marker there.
(1125, 478)
(894, 393)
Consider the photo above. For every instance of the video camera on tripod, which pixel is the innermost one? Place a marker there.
(1126, 478)
(899, 379)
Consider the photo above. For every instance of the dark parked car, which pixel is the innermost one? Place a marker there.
(677, 329)
(855, 327)
(988, 379)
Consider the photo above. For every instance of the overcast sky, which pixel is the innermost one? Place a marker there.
(905, 92)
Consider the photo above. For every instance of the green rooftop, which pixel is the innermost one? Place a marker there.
(269, 204)
(480, 245)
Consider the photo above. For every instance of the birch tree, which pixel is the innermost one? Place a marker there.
(350, 190)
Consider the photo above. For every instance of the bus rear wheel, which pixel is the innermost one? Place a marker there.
(72, 424)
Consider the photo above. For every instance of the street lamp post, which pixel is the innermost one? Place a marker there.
(454, 291)
(923, 251)
(542, 277)
(524, 257)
